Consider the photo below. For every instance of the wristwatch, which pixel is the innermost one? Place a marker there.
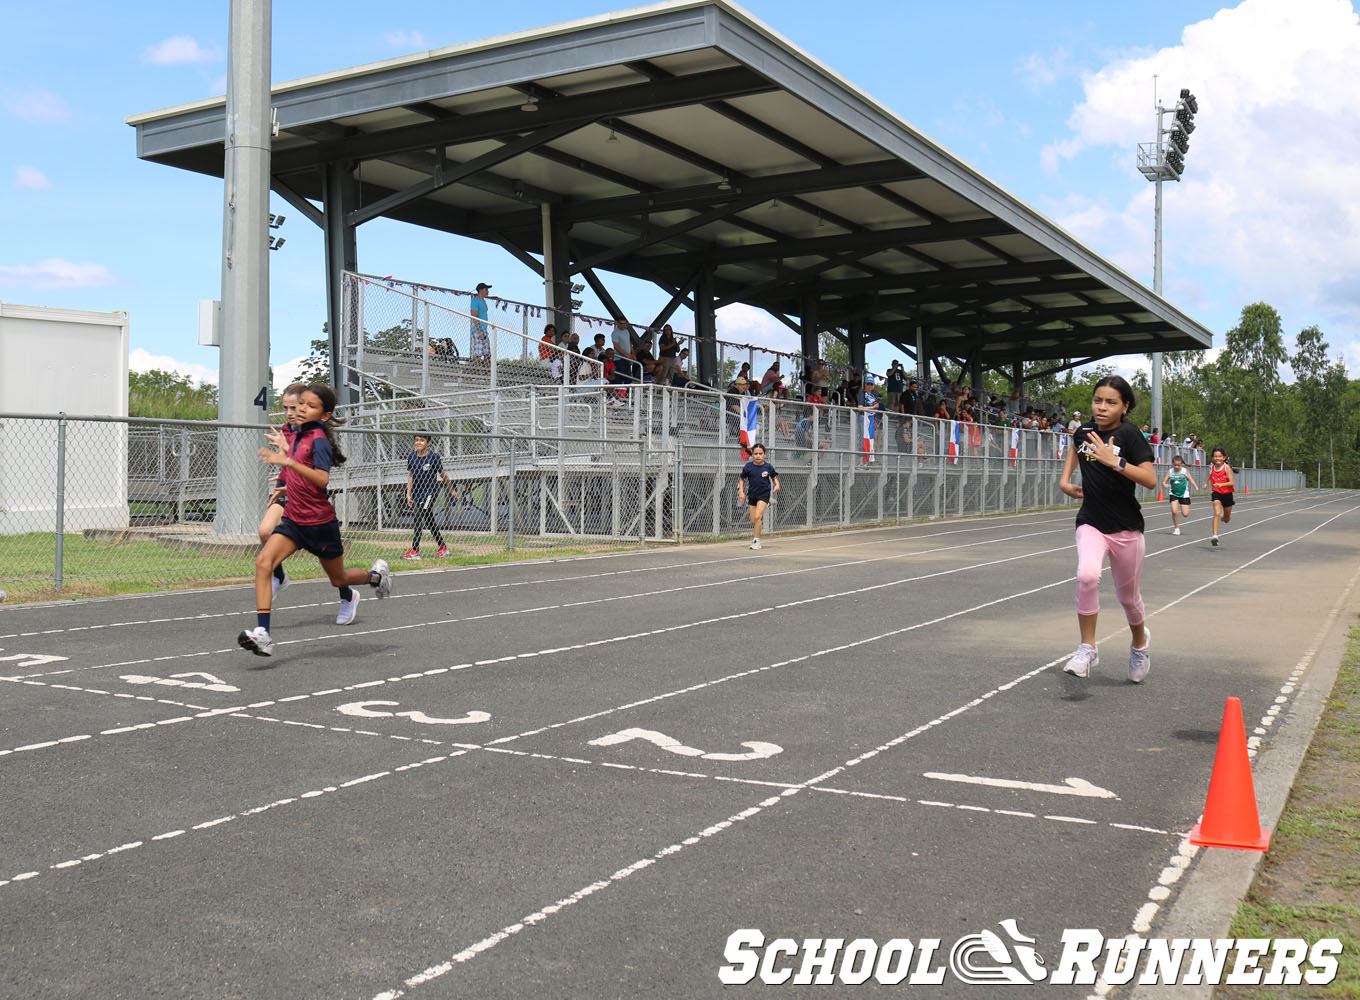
(1121, 465)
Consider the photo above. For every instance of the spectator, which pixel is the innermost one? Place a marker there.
(547, 346)
(599, 344)
(590, 373)
(738, 385)
(868, 397)
(802, 434)
(668, 350)
(911, 399)
(821, 378)
(680, 369)
(573, 346)
(646, 360)
(772, 380)
(625, 365)
(897, 384)
(481, 335)
(941, 411)
(1074, 423)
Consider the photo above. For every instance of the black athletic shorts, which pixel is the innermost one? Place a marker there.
(752, 501)
(1226, 499)
(1183, 501)
(321, 540)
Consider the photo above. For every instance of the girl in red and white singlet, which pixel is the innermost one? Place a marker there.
(1221, 483)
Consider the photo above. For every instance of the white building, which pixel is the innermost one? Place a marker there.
(62, 361)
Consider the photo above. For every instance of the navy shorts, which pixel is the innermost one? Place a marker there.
(321, 540)
(752, 501)
(1226, 499)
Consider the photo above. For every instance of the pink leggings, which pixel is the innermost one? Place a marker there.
(1126, 550)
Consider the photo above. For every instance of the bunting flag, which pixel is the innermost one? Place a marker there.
(747, 429)
(953, 442)
(1062, 445)
(1015, 444)
(869, 422)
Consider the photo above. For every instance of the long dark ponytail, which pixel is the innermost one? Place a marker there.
(326, 394)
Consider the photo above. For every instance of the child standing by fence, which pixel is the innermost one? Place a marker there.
(310, 522)
(424, 469)
(1114, 457)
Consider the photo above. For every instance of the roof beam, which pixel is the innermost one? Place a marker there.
(581, 109)
(867, 241)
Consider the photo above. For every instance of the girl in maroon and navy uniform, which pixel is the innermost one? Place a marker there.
(309, 521)
(1221, 483)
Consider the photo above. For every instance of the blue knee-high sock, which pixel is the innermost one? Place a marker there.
(262, 619)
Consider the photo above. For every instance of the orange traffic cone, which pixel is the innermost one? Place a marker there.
(1230, 817)
(1159, 496)
(1246, 490)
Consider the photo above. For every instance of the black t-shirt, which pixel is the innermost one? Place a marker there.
(897, 381)
(1109, 504)
(758, 479)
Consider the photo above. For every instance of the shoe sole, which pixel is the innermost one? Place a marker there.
(247, 643)
(1095, 661)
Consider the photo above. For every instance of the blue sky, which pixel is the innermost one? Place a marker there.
(1048, 100)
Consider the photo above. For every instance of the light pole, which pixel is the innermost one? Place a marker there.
(1159, 163)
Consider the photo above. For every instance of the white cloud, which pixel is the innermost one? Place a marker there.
(405, 39)
(140, 360)
(287, 372)
(1040, 71)
(179, 50)
(1270, 195)
(37, 104)
(56, 272)
(743, 324)
(28, 178)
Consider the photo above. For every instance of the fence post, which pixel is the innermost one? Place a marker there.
(642, 493)
(183, 473)
(678, 496)
(61, 498)
(510, 528)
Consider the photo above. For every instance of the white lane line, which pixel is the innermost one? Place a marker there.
(553, 581)
(1186, 851)
(647, 634)
(349, 634)
(448, 621)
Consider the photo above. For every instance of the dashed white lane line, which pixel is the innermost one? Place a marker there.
(566, 606)
(991, 525)
(1186, 851)
(647, 634)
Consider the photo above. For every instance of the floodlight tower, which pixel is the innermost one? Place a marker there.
(1159, 163)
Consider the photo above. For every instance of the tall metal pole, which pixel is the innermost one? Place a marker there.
(243, 379)
(1156, 418)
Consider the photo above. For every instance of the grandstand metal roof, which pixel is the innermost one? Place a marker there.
(687, 135)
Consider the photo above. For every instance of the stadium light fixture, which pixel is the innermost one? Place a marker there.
(530, 104)
(1164, 160)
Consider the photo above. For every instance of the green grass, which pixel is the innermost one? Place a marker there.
(1310, 879)
(96, 568)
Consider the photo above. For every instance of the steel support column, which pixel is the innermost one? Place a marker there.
(706, 328)
(856, 335)
(340, 194)
(556, 270)
(808, 332)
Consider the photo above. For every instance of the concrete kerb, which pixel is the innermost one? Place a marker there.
(1221, 877)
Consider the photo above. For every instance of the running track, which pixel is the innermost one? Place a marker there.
(441, 800)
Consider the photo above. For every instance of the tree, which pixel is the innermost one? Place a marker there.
(1252, 355)
(834, 351)
(170, 396)
(316, 367)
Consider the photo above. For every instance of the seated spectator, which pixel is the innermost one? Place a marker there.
(590, 373)
(555, 368)
(738, 385)
(646, 359)
(745, 371)
(771, 380)
(547, 346)
(815, 396)
(942, 411)
(821, 377)
(802, 434)
(573, 345)
(680, 369)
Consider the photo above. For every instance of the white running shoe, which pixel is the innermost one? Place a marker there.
(1176, 532)
(1140, 660)
(348, 608)
(384, 585)
(257, 641)
(280, 584)
(755, 543)
(1082, 661)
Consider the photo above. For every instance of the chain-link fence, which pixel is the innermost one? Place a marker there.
(102, 505)
(98, 505)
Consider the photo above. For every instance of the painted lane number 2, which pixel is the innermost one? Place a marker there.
(758, 750)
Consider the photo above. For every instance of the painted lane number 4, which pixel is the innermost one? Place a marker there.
(758, 750)
(30, 659)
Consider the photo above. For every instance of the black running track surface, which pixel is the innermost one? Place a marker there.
(578, 778)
